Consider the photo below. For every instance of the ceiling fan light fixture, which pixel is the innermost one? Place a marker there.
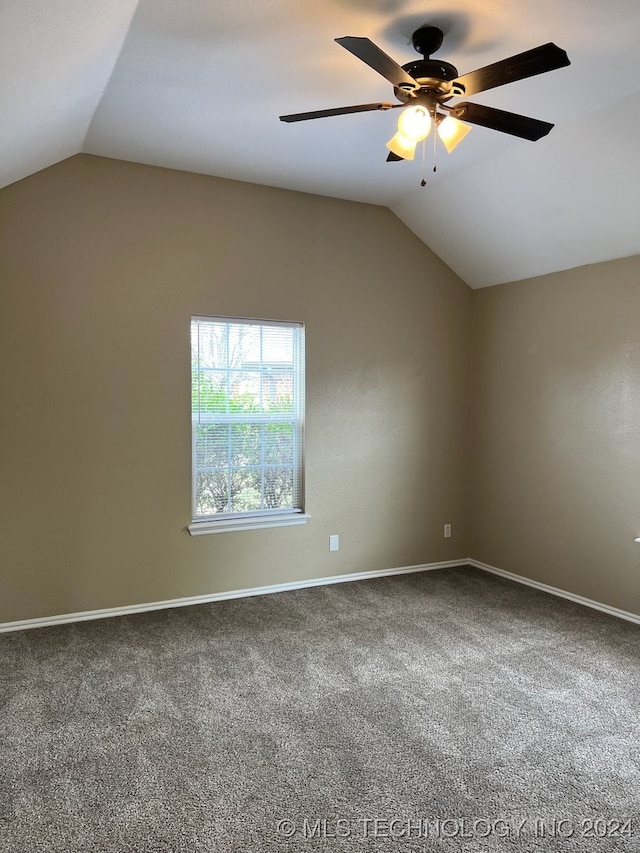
(414, 125)
(452, 131)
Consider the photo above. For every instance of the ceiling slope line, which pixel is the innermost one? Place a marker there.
(134, 14)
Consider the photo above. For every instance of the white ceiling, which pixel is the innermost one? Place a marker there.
(199, 86)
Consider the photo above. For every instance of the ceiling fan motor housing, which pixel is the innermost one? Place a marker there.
(433, 75)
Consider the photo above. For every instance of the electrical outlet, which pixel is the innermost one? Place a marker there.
(334, 542)
(447, 531)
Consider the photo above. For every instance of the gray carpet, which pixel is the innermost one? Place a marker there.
(459, 711)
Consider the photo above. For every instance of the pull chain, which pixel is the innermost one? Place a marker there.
(435, 128)
(423, 182)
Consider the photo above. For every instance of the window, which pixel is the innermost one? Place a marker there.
(247, 415)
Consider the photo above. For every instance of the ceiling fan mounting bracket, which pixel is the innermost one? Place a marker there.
(427, 40)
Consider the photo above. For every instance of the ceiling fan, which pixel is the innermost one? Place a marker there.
(425, 85)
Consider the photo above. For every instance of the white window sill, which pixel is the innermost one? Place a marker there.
(227, 525)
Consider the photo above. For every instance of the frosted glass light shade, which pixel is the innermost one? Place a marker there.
(452, 131)
(414, 123)
(402, 147)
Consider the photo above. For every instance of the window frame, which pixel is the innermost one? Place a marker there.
(261, 518)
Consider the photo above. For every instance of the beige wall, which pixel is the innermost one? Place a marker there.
(102, 263)
(556, 438)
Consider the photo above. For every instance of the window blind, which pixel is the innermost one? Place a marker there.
(247, 409)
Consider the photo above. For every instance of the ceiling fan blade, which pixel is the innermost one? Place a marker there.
(392, 158)
(517, 125)
(538, 60)
(339, 111)
(377, 59)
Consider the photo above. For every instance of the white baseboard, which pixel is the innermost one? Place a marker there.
(561, 593)
(48, 621)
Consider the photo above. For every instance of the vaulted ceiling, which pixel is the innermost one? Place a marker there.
(199, 86)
